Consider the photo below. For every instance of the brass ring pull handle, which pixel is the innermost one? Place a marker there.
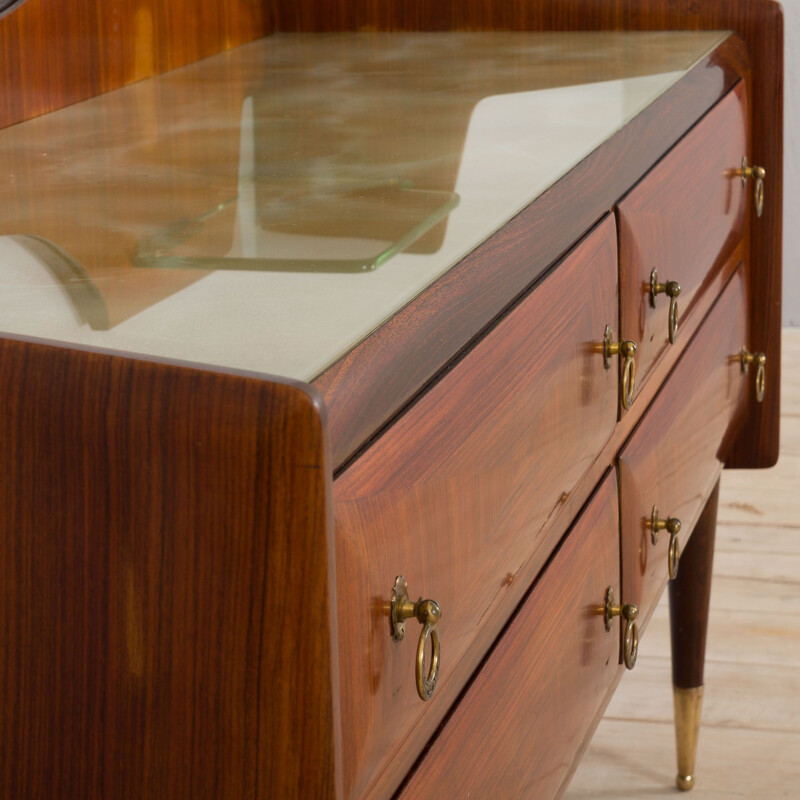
(759, 193)
(627, 349)
(760, 360)
(629, 613)
(673, 557)
(673, 526)
(757, 174)
(671, 289)
(428, 613)
(427, 683)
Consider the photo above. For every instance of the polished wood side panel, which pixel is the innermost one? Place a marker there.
(55, 53)
(675, 455)
(160, 525)
(758, 22)
(372, 383)
(689, 598)
(517, 728)
(683, 219)
(460, 497)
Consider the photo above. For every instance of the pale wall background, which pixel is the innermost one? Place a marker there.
(791, 173)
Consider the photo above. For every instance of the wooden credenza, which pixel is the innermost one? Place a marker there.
(200, 558)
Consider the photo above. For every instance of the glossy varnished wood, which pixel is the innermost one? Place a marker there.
(373, 382)
(37, 40)
(673, 459)
(517, 728)
(689, 599)
(683, 219)
(306, 736)
(166, 621)
(55, 55)
(459, 496)
(759, 24)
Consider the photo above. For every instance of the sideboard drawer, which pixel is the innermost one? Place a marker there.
(674, 457)
(683, 221)
(517, 728)
(458, 497)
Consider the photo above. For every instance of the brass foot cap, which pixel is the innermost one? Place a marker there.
(684, 782)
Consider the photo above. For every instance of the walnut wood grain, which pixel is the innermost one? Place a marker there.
(689, 599)
(459, 496)
(760, 25)
(166, 573)
(683, 219)
(518, 726)
(674, 458)
(55, 54)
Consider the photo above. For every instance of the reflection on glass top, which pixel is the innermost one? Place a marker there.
(265, 209)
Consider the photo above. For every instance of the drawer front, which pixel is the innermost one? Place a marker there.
(458, 497)
(675, 455)
(519, 727)
(683, 219)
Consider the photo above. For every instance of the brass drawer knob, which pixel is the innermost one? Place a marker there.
(760, 360)
(757, 174)
(673, 526)
(629, 613)
(671, 289)
(626, 349)
(427, 613)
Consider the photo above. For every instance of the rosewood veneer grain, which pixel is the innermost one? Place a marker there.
(675, 455)
(545, 683)
(683, 219)
(461, 497)
(167, 607)
(54, 55)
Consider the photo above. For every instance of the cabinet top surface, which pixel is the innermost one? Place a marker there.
(267, 208)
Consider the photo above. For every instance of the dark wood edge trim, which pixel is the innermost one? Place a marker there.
(373, 382)
(330, 625)
(758, 443)
(7, 6)
(307, 388)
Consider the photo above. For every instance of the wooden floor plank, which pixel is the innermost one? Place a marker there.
(766, 496)
(762, 697)
(763, 596)
(790, 372)
(743, 637)
(630, 759)
(765, 567)
(762, 497)
(766, 539)
(790, 435)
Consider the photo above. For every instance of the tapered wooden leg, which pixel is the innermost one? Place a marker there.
(689, 596)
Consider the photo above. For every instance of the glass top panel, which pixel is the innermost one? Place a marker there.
(267, 208)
